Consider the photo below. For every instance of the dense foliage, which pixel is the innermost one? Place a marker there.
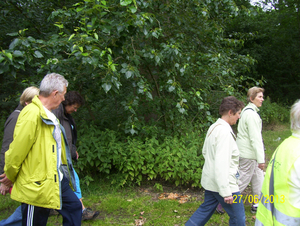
(152, 73)
(273, 41)
(137, 63)
(177, 160)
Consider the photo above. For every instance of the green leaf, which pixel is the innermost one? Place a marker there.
(128, 74)
(13, 34)
(14, 43)
(149, 95)
(106, 87)
(38, 54)
(133, 9)
(71, 36)
(145, 31)
(154, 34)
(9, 55)
(112, 67)
(157, 59)
(1, 58)
(171, 88)
(18, 53)
(125, 2)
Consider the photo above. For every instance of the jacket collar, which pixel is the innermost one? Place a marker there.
(253, 106)
(39, 104)
(224, 123)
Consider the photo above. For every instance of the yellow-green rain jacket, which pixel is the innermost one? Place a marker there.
(31, 162)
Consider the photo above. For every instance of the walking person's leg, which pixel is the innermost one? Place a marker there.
(13, 220)
(235, 211)
(246, 170)
(256, 182)
(205, 211)
(71, 206)
(34, 215)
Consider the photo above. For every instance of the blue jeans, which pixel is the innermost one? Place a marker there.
(235, 211)
(14, 220)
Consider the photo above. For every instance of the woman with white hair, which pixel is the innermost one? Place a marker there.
(280, 198)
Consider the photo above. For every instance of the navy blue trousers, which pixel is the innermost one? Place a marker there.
(71, 209)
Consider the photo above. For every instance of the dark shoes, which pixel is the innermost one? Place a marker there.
(253, 209)
(220, 209)
(89, 214)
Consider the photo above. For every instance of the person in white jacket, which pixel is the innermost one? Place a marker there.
(250, 143)
(220, 171)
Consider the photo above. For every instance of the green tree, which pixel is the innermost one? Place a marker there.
(137, 63)
(272, 39)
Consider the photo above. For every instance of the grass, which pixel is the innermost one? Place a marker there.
(143, 205)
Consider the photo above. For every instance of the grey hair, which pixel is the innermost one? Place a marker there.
(295, 117)
(52, 82)
(28, 94)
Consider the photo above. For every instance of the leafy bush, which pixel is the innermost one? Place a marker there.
(274, 113)
(153, 154)
(175, 159)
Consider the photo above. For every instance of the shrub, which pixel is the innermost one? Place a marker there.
(274, 113)
(153, 154)
(175, 159)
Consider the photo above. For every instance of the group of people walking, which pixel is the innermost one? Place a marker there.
(39, 145)
(232, 162)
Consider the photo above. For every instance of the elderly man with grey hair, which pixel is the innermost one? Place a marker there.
(35, 156)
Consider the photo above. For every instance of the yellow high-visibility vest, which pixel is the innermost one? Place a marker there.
(274, 206)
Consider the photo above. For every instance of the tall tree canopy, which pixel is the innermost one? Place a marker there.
(274, 43)
(137, 63)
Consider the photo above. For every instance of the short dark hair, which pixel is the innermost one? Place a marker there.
(73, 97)
(230, 103)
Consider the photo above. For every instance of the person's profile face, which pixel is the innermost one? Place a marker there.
(71, 108)
(59, 97)
(258, 99)
(235, 117)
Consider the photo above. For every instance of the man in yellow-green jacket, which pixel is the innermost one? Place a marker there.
(35, 157)
(280, 200)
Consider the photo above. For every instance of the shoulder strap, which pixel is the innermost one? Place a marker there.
(213, 129)
(248, 109)
(233, 135)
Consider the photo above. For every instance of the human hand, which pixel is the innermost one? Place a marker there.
(77, 155)
(228, 200)
(261, 166)
(4, 180)
(4, 189)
